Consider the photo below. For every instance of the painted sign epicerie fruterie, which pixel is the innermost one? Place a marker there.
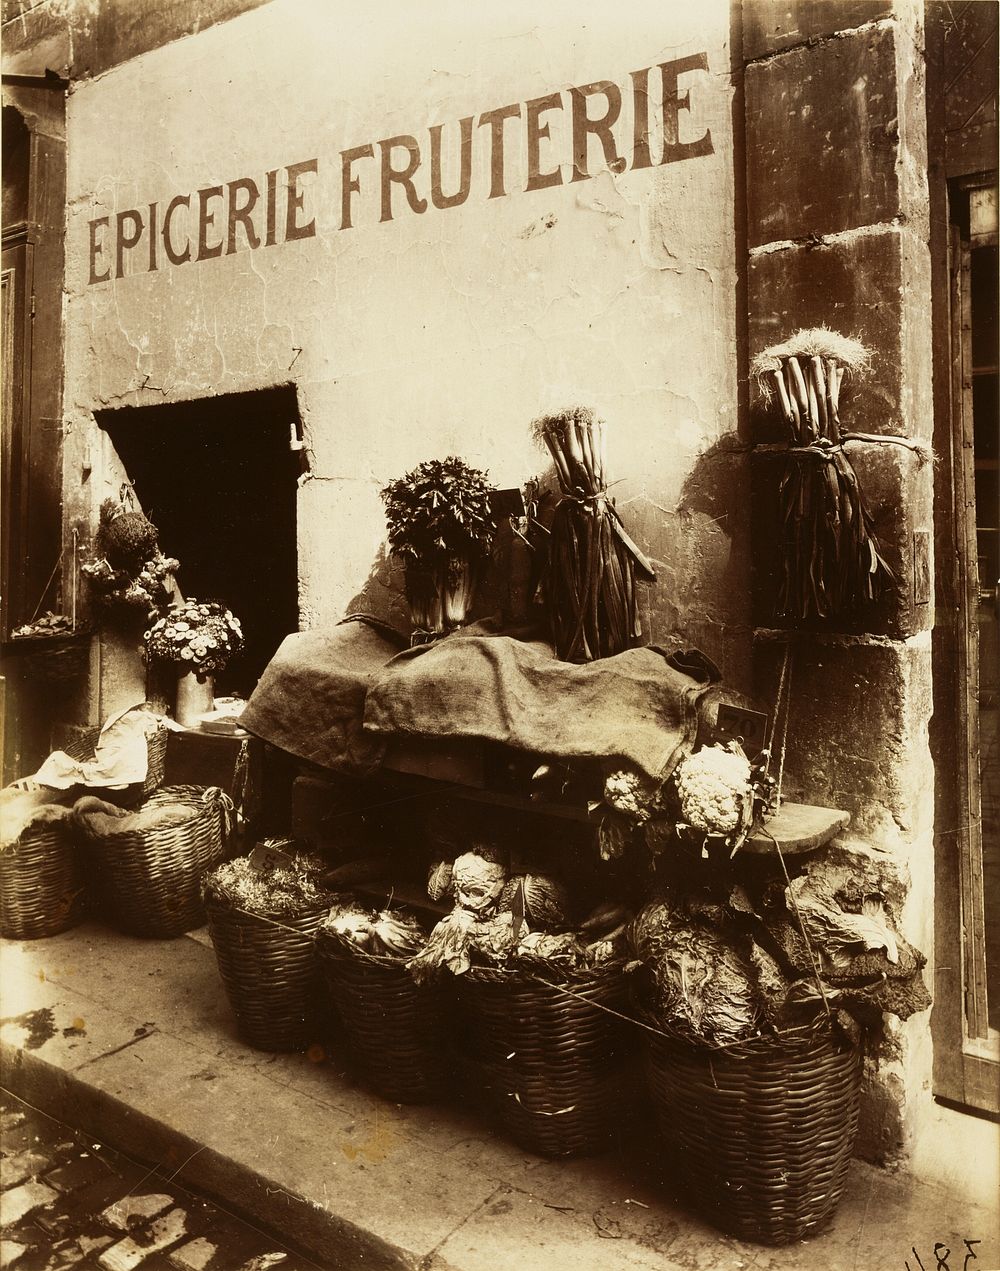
(408, 174)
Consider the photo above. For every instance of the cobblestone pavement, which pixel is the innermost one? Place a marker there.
(68, 1201)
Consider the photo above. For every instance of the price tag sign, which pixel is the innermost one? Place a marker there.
(265, 859)
(749, 728)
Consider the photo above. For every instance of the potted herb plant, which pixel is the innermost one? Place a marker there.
(199, 637)
(441, 526)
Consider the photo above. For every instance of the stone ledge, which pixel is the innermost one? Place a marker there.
(854, 735)
(771, 26)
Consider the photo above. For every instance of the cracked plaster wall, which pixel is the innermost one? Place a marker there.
(434, 333)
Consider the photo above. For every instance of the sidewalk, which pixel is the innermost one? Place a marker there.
(133, 1042)
(68, 1201)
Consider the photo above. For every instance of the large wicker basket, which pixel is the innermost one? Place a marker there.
(147, 881)
(760, 1134)
(396, 1028)
(553, 1058)
(41, 882)
(270, 971)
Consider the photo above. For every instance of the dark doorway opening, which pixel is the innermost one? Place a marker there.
(218, 478)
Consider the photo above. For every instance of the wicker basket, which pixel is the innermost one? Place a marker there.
(83, 748)
(41, 883)
(270, 971)
(55, 661)
(553, 1059)
(396, 1028)
(148, 881)
(761, 1133)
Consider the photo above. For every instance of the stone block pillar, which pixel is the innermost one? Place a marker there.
(837, 235)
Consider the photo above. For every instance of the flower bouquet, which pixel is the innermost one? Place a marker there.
(200, 636)
(441, 526)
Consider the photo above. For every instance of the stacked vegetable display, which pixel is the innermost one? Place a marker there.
(505, 921)
(263, 913)
(753, 992)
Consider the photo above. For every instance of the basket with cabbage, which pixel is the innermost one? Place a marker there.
(397, 1029)
(744, 1001)
(541, 1001)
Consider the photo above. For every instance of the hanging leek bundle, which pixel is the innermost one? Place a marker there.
(831, 563)
(590, 574)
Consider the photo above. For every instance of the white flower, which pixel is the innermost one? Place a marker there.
(187, 654)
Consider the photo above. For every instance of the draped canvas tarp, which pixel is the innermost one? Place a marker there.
(336, 697)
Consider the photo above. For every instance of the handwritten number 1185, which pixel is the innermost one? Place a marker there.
(942, 1253)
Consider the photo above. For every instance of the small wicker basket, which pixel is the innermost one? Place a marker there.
(396, 1028)
(55, 661)
(270, 971)
(148, 880)
(553, 1058)
(761, 1134)
(83, 749)
(41, 882)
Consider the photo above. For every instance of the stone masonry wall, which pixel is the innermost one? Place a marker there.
(837, 236)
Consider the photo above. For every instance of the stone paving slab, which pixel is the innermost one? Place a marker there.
(158, 1070)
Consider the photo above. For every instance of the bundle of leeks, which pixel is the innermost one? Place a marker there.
(589, 579)
(831, 564)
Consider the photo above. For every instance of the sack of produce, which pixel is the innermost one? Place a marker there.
(733, 1046)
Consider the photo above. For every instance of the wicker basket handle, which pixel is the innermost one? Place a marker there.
(217, 799)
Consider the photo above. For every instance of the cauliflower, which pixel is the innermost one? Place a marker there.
(714, 788)
(627, 792)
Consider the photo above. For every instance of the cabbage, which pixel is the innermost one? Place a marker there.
(447, 947)
(546, 900)
(398, 934)
(439, 880)
(705, 986)
(477, 881)
(352, 923)
(564, 951)
(494, 938)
